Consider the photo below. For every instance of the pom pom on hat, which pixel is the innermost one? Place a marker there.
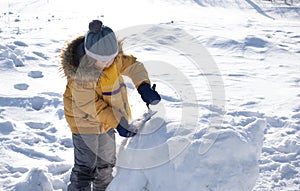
(95, 26)
(101, 42)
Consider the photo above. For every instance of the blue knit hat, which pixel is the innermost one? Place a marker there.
(100, 42)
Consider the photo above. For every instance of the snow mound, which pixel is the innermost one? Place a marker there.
(36, 180)
(149, 160)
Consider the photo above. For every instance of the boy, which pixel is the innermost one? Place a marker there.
(96, 103)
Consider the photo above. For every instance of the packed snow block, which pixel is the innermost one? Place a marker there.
(11, 57)
(148, 149)
(35, 180)
(144, 163)
(231, 163)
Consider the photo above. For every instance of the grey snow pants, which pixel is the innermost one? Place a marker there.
(94, 159)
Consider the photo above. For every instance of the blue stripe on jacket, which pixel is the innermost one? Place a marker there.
(114, 92)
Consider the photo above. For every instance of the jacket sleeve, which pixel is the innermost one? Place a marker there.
(129, 66)
(87, 100)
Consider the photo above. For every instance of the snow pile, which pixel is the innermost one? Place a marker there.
(36, 180)
(11, 57)
(231, 163)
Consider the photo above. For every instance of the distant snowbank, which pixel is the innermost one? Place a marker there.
(242, 4)
(266, 8)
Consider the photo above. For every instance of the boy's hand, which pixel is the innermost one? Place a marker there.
(148, 94)
(123, 128)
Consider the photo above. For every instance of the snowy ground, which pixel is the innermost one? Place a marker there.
(234, 59)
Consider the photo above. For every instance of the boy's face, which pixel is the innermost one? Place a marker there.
(104, 64)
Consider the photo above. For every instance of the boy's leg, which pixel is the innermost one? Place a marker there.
(105, 161)
(85, 159)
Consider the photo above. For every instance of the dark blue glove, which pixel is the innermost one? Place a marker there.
(123, 128)
(148, 94)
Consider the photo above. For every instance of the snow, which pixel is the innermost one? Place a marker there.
(213, 170)
(227, 71)
(35, 180)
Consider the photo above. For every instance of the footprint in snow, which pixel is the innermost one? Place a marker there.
(255, 42)
(36, 125)
(6, 127)
(21, 86)
(40, 55)
(35, 74)
(20, 43)
(249, 103)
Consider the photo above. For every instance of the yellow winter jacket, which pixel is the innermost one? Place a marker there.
(95, 99)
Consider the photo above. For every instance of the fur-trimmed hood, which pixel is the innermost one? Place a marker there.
(75, 64)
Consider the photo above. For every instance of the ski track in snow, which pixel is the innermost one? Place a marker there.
(260, 69)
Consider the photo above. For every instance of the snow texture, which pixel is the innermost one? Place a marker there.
(227, 71)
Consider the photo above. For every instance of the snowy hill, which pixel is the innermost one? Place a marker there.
(227, 71)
